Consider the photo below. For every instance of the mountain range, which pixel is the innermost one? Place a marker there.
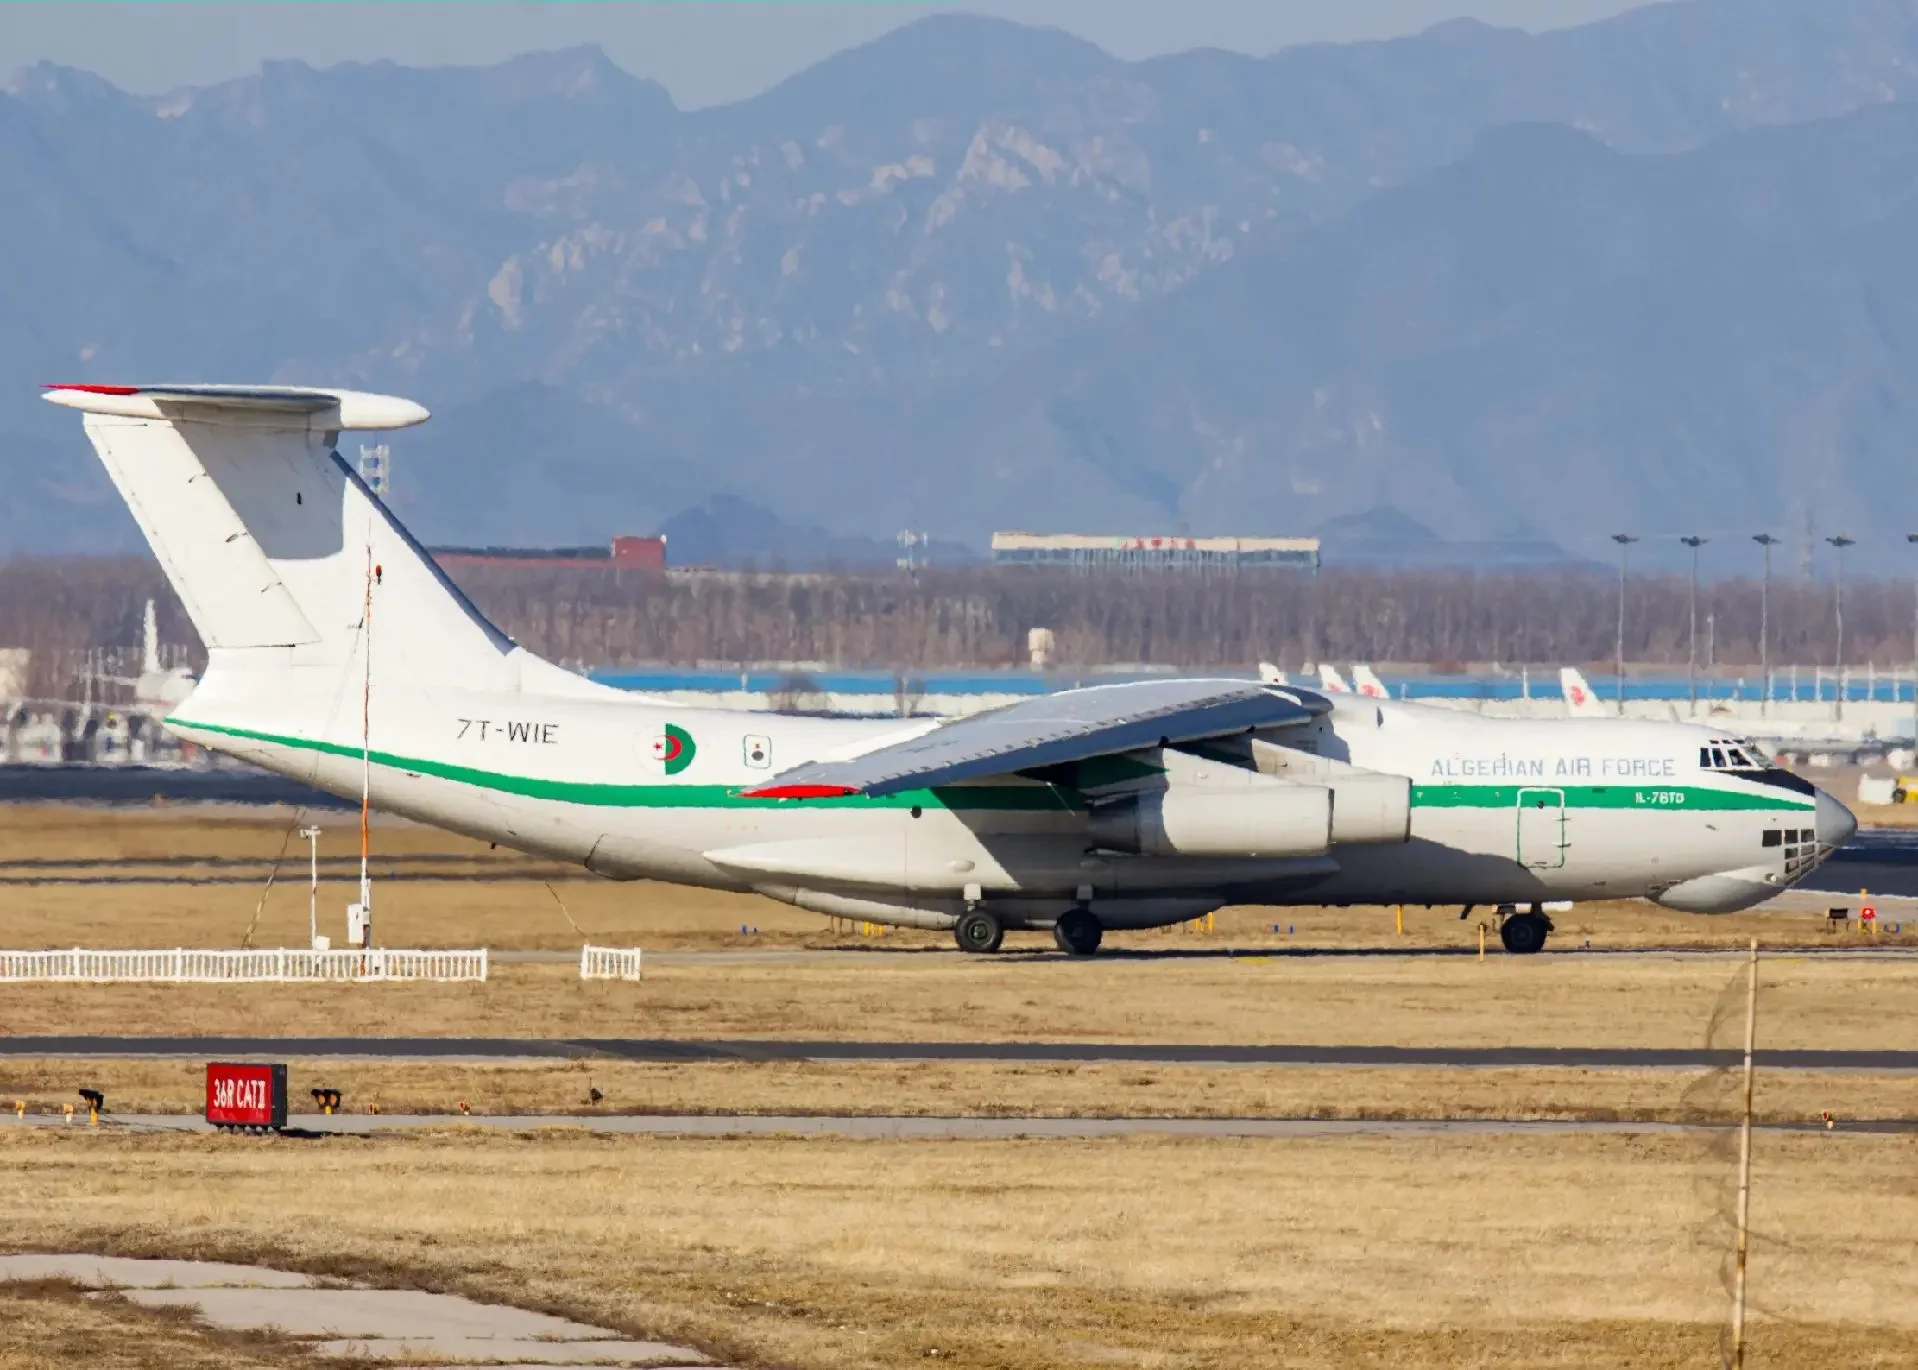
(1520, 291)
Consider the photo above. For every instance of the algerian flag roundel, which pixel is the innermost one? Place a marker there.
(673, 749)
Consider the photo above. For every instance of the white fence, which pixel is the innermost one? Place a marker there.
(189, 965)
(609, 963)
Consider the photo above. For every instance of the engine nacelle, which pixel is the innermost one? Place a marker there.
(1272, 819)
(1370, 806)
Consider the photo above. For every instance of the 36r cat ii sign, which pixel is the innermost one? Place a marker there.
(245, 1095)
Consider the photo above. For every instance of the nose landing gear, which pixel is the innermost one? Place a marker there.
(1523, 934)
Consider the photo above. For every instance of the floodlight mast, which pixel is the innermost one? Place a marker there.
(1840, 543)
(1691, 671)
(1624, 541)
(1913, 538)
(1766, 541)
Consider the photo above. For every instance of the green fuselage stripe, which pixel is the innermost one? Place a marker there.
(1022, 798)
(1025, 798)
(1671, 798)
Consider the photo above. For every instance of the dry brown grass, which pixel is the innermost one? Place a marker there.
(1440, 1001)
(54, 1325)
(1451, 1252)
(939, 1089)
(512, 908)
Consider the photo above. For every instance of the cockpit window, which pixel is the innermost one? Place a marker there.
(1724, 755)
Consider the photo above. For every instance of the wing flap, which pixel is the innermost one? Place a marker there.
(1052, 730)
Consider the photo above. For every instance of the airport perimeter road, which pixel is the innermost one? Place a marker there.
(901, 1127)
(664, 1049)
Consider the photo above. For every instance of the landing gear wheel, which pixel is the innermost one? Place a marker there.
(1524, 933)
(978, 931)
(1078, 933)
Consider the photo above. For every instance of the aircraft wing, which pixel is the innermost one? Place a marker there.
(1052, 730)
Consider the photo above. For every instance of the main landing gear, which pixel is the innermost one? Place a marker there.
(978, 931)
(1078, 932)
(1523, 933)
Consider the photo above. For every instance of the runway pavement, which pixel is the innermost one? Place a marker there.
(917, 1127)
(681, 1049)
(896, 1127)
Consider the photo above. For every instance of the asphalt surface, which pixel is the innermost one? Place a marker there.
(911, 1127)
(143, 784)
(666, 1049)
(1882, 860)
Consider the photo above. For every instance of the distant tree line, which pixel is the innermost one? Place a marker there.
(67, 611)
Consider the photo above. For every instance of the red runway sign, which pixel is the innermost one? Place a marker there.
(245, 1095)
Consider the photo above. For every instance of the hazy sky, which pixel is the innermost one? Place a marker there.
(704, 51)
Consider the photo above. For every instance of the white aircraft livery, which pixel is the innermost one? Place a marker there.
(339, 654)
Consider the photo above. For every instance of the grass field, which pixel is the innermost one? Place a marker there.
(1563, 1252)
(1469, 1251)
(942, 1089)
(506, 901)
(1448, 1001)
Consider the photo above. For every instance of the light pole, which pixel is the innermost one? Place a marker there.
(1691, 672)
(1765, 540)
(1913, 538)
(1624, 540)
(1840, 542)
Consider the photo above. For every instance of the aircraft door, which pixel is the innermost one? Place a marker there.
(1541, 828)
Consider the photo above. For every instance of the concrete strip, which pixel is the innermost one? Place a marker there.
(120, 1272)
(354, 1323)
(469, 1349)
(378, 1313)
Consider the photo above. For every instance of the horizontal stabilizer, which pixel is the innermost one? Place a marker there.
(252, 406)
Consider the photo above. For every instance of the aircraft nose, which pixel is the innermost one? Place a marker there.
(1835, 822)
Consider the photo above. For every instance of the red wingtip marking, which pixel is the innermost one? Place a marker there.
(800, 792)
(97, 389)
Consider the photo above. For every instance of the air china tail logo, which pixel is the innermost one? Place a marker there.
(1578, 695)
(673, 750)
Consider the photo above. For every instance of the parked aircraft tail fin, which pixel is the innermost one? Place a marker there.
(1580, 702)
(1271, 674)
(1368, 684)
(1330, 679)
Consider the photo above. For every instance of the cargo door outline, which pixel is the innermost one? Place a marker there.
(1541, 828)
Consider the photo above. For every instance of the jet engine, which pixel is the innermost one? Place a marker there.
(1276, 818)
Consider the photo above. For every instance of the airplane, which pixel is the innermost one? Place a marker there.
(1366, 683)
(1776, 737)
(1271, 674)
(1580, 702)
(338, 653)
(157, 689)
(1331, 681)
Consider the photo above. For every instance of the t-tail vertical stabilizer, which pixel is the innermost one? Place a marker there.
(278, 551)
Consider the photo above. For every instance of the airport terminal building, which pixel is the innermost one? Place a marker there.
(1104, 551)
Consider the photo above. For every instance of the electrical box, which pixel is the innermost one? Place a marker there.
(247, 1095)
(359, 925)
